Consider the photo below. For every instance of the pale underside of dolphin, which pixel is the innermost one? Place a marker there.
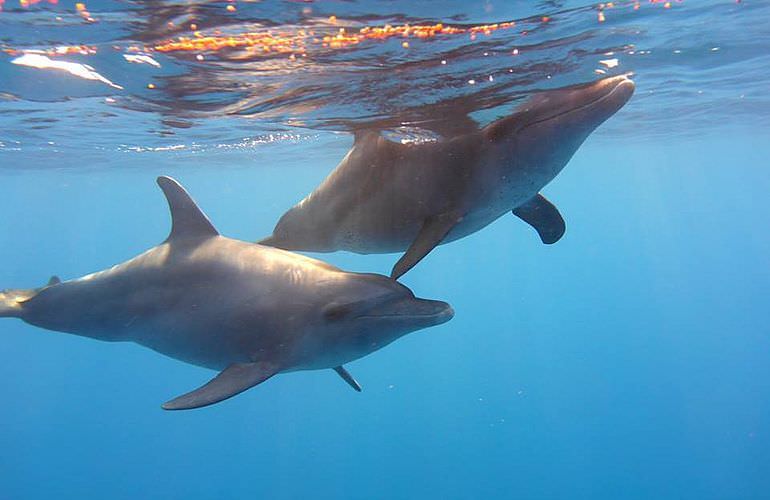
(391, 197)
(246, 310)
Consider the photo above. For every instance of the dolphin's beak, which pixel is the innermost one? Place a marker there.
(419, 313)
(594, 101)
(435, 311)
(609, 94)
(582, 107)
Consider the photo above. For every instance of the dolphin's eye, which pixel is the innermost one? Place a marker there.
(336, 312)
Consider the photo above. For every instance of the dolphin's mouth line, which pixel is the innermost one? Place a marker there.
(391, 316)
(578, 108)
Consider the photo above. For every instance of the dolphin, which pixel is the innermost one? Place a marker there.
(391, 197)
(246, 310)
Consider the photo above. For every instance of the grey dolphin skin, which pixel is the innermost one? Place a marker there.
(246, 310)
(387, 197)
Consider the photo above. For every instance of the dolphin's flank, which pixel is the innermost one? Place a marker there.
(243, 309)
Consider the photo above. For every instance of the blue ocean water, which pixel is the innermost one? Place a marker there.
(629, 360)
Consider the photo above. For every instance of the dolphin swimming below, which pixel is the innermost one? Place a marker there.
(390, 197)
(246, 310)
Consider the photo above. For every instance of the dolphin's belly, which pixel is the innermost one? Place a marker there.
(199, 343)
(472, 222)
(206, 313)
(227, 324)
(498, 196)
(389, 225)
(366, 238)
(385, 222)
(198, 328)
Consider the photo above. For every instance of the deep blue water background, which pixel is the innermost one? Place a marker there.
(630, 360)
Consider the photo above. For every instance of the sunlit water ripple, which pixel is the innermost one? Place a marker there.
(147, 76)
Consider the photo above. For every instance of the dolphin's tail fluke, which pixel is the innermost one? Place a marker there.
(12, 300)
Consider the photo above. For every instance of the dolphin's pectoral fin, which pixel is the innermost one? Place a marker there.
(544, 217)
(433, 231)
(347, 377)
(187, 220)
(235, 379)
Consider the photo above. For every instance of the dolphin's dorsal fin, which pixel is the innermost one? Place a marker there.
(235, 379)
(187, 220)
(53, 281)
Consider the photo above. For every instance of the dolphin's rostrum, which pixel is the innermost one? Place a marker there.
(244, 309)
(390, 197)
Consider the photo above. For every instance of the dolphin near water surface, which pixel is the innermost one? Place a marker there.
(391, 197)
